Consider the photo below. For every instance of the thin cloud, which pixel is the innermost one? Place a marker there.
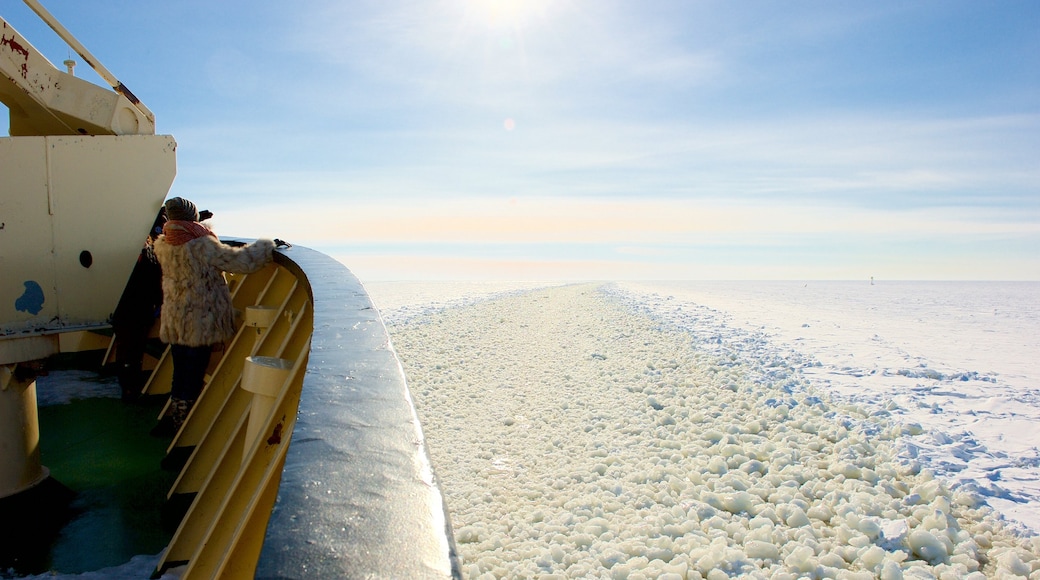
(629, 221)
(668, 135)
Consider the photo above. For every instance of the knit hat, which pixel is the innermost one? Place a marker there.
(178, 208)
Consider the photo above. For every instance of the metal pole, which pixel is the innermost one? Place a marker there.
(87, 57)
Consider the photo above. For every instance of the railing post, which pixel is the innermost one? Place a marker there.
(261, 318)
(264, 377)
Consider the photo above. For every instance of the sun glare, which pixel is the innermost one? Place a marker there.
(508, 13)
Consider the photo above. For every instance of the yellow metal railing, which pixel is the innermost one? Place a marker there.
(232, 481)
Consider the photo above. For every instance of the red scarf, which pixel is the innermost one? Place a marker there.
(179, 232)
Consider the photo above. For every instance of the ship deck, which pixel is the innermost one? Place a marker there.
(100, 449)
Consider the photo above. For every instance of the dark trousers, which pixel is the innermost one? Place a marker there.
(189, 370)
(130, 346)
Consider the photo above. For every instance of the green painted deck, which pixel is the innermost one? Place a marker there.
(101, 449)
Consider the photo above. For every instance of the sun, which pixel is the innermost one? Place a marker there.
(508, 13)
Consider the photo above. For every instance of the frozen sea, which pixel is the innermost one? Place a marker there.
(717, 429)
(682, 430)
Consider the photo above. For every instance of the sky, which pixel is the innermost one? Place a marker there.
(655, 140)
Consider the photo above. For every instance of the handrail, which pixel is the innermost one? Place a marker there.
(89, 58)
(358, 496)
(340, 475)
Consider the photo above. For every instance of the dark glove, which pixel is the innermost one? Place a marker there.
(205, 215)
(281, 243)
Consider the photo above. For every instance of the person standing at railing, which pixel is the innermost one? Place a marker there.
(197, 314)
(136, 313)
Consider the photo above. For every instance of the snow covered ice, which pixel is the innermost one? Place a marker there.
(713, 430)
(710, 430)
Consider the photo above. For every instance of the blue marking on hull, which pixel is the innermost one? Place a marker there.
(31, 300)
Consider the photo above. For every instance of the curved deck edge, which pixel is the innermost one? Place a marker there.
(358, 496)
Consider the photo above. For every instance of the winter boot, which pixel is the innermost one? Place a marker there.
(179, 411)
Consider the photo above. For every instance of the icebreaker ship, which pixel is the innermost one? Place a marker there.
(303, 458)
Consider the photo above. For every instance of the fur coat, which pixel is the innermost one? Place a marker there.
(197, 308)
